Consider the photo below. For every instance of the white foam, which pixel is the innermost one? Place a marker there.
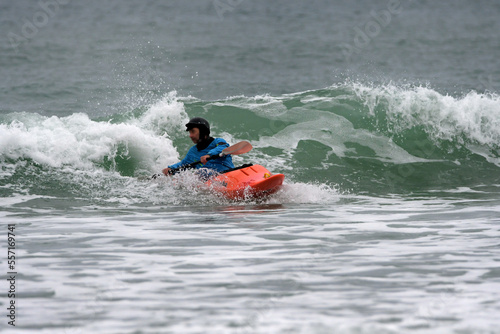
(78, 141)
(304, 193)
(333, 131)
(473, 117)
(262, 105)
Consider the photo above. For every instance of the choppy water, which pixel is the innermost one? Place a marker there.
(384, 117)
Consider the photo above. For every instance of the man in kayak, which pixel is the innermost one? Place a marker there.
(205, 146)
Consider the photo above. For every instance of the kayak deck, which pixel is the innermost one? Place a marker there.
(254, 181)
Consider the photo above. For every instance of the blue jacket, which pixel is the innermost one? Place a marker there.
(214, 148)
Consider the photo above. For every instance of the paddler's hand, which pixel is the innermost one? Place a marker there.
(166, 171)
(204, 158)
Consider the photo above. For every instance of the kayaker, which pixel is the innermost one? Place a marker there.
(205, 146)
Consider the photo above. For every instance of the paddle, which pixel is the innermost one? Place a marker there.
(236, 149)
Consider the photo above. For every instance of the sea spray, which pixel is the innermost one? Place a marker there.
(347, 138)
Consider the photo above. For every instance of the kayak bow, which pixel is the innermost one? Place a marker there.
(248, 181)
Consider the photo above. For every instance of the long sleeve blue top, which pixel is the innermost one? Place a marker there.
(214, 148)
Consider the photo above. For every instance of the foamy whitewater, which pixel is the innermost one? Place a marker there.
(383, 116)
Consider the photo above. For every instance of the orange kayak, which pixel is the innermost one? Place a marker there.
(253, 181)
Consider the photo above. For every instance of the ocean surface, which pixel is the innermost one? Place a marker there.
(384, 117)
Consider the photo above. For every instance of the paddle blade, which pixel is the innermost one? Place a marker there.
(238, 148)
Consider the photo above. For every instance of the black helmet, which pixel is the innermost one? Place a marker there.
(200, 123)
